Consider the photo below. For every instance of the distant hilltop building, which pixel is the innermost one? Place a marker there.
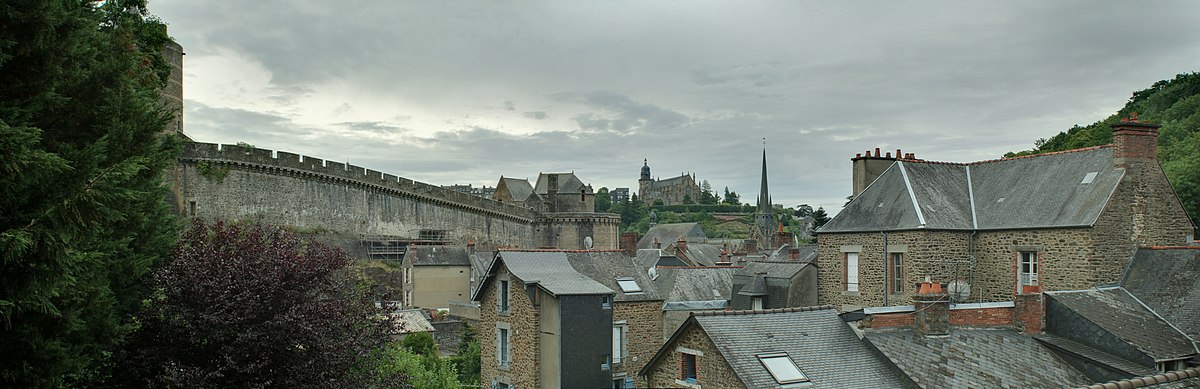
(483, 191)
(671, 190)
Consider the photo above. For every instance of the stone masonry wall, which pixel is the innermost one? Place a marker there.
(281, 188)
(523, 318)
(712, 370)
(567, 230)
(1066, 255)
(1144, 211)
(644, 336)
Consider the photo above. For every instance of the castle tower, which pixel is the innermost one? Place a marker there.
(764, 216)
(645, 183)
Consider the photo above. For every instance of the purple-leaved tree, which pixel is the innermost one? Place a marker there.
(256, 306)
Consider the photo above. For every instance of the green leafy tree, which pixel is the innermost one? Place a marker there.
(706, 194)
(83, 216)
(467, 361)
(731, 197)
(255, 306)
(687, 199)
(420, 343)
(819, 217)
(603, 200)
(422, 371)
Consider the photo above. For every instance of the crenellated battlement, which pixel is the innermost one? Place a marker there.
(284, 163)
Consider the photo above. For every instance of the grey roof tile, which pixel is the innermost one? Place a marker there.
(695, 284)
(1031, 192)
(605, 267)
(552, 271)
(437, 256)
(776, 269)
(1095, 354)
(818, 342)
(666, 234)
(975, 358)
(1116, 311)
(1168, 281)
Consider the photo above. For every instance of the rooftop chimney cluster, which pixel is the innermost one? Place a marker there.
(888, 155)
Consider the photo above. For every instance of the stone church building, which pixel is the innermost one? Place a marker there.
(671, 190)
(991, 229)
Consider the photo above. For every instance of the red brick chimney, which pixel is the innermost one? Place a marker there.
(681, 247)
(1134, 139)
(782, 238)
(933, 310)
(629, 243)
(1029, 312)
(793, 253)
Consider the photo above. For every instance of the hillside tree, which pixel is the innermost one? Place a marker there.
(83, 217)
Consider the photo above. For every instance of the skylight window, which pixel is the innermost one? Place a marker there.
(628, 285)
(1088, 178)
(782, 368)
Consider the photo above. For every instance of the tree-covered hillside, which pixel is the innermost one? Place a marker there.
(1174, 104)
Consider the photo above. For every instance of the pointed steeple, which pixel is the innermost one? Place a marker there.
(764, 197)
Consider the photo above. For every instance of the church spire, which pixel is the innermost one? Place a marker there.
(764, 197)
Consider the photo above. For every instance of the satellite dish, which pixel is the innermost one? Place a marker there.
(959, 290)
(587, 243)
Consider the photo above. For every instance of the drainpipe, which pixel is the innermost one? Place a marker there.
(971, 262)
(886, 269)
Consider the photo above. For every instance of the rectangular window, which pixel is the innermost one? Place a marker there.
(408, 275)
(897, 276)
(606, 302)
(191, 208)
(502, 347)
(605, 362)
(756, 303)
(1029, 268)
(502, 299)
(851, 272)
(618, 342)
(782, 368)
(687, 370)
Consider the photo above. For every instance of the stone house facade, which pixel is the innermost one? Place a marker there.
(712, 370)
(573, 319)
(992, 229)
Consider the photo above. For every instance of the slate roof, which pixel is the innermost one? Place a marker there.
(785, 270)
(668, 182)
(1094, 354)
(808, 253)
(479, 267)
(1168, 281)
(409, 321)
(550, 270)
(518, 188)
(647, 258)
(670, 233)
(695, 283)
(1030, 192)
(821, 345)
(606, 266)
(1119, 313)
(438, 256)
(567, 182)
(975, 358)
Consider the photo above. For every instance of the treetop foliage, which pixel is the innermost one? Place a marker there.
(83, 217)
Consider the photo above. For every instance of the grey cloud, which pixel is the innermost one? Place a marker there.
(628, 115)
(539, 115)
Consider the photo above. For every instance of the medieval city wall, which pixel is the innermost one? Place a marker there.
(237, 182)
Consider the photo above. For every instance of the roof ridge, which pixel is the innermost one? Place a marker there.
(559, 250)
(762, 311)
(699, 267)
(1170, 247)
(1140, 382)
(914, 160)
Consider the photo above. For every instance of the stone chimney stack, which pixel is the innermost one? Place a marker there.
(1134, 140)
(751, 246)
(869, 166)
(933, 310)
(628, 243)
(793, 253)
(681, 247)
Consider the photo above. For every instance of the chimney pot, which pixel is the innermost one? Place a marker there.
(889, 154)
(876, 151)
(858, 155)
(898, 153)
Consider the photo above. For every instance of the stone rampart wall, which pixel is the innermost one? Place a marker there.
(234, 182)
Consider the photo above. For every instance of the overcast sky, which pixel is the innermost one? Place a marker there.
(450, 92)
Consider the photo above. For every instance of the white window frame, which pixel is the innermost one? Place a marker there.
(503, 290)
(1028, 268)
(779, 364)
(896, 261)
(852, 276)
(756, 303)
(503, 345)
(629, 285)
(620, 342)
